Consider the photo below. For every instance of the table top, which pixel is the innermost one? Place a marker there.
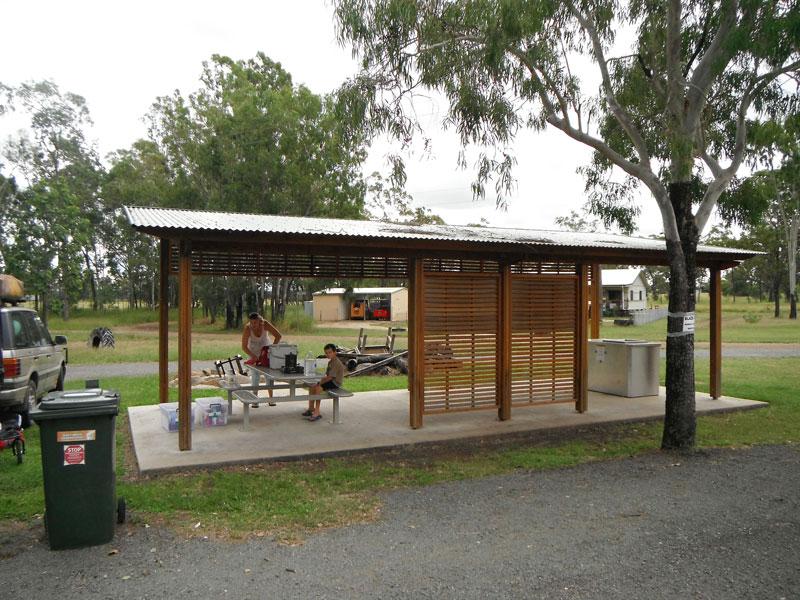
(278, 375)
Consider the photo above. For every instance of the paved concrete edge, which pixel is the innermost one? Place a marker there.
(491, 440)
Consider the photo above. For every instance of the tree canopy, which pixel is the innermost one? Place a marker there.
(249, 140)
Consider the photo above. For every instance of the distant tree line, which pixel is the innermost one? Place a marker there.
(248, 140)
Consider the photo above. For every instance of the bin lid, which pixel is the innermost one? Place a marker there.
(93, 401)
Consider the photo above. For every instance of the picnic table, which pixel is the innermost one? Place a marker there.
(275, 379)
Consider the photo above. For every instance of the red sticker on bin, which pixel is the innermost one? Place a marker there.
(75, 454)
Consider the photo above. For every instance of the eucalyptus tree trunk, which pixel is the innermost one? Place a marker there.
(64, 296)
(229, 321)
(776, 293)
(45, 308)
(273, 293)
(284, 298)
(679, 415)
(92, 282)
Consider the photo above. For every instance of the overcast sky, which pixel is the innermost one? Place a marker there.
(120, 57)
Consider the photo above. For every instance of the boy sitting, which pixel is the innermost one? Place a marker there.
(332, 380)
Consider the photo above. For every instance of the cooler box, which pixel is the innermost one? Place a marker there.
(278, 352)
(624, 367)
(212, 411)
(169, 416)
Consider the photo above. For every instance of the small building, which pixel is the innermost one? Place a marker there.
(623, 289)
(333, 304)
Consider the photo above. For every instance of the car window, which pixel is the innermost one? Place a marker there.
(34, 333)
(19, 331)
(43, 332)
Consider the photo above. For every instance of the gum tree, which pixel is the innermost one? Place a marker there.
(669, 112)
(53, 222)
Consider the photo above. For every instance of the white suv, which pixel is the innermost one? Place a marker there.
(33, 362)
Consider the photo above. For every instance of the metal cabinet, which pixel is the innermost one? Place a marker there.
(624, 367)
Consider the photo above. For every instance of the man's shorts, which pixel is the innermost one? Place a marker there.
(329, 385)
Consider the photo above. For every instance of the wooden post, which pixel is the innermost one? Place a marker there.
(163, 324)
(185, 345)
(504, 343)
(582, 340)
(715, 383)
(597, 300)
(412, 336)
(417, 365)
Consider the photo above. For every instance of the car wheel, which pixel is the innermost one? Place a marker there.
(61, 376)
(30, 403)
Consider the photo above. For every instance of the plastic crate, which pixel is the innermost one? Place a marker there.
(212, 411)
(169, 416)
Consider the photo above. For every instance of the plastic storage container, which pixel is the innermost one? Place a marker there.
(77, 430)
(212, 411)
(170, 416)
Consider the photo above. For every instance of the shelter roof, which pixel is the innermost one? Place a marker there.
(228, 230)
(619, 276)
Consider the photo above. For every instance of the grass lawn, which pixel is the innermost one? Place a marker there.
(289, 499)
(136, 335)
(735, 327)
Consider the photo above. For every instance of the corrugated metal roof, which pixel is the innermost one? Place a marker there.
(619, 276)
(205, 221)
(373, 290)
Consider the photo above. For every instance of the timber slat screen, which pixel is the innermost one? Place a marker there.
(543, 342)
(461, 334)
(254, 263)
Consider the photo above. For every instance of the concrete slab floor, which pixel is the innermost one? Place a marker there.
(371, 420)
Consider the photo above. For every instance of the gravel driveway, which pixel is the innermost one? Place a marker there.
(720, 524)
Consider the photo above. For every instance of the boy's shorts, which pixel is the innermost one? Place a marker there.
(329, 385)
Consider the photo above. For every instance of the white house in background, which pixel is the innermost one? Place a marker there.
(624, 289)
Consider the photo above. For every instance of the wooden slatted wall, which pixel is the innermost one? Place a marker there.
(460, 336)
(543, 333)
(251, 264)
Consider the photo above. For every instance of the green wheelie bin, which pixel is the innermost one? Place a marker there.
(78, 464)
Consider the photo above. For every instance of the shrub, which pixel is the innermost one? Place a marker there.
(296, 321)
(751, 317)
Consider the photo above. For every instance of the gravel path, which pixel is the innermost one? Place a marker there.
(81, 372)
(720, 524)
(130, 369)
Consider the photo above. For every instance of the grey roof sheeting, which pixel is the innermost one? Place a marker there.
(164, 220)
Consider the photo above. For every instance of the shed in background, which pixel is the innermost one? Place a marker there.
(333, 304)
(329, 305)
